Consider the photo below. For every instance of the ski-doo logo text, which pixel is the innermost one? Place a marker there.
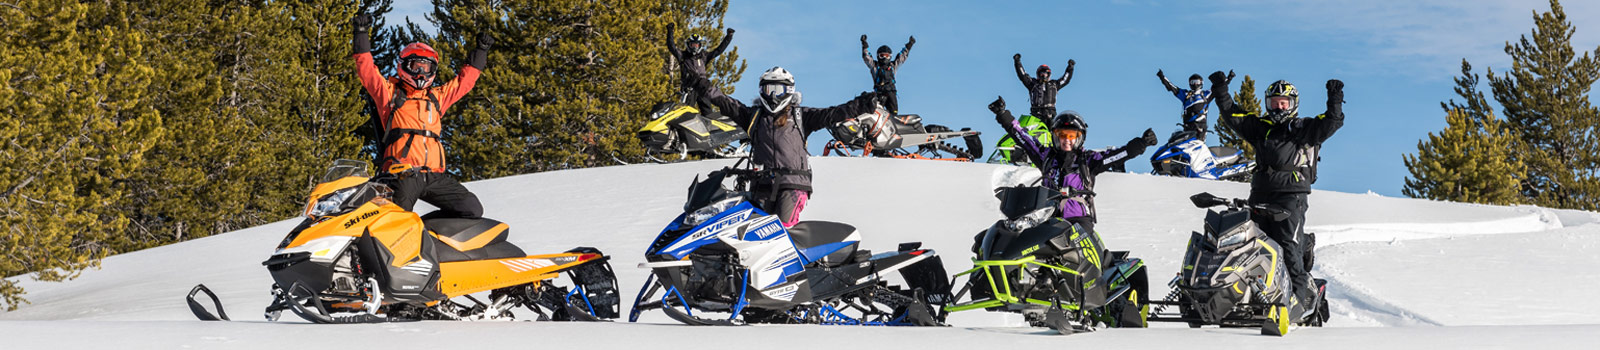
(357, 219)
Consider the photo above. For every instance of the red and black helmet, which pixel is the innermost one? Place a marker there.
(418, 65)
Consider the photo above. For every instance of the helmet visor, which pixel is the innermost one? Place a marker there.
(776, 95)
(418, 66)
(1279, 103)
(883, 55)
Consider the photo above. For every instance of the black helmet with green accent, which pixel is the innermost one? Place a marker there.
(1282, 89)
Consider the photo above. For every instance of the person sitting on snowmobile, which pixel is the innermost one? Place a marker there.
(410, 107)
(1041, 90)
(1287, 149)
(692, 63)
(1195, 102)
(883, 70)
(778, 126)
(1067, 166)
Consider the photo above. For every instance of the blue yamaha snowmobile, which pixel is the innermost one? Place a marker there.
(1185, 155)
(723, 256)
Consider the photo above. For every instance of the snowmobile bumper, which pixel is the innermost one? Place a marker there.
(998, 277)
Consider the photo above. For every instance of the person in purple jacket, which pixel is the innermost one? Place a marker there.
(1066, 165)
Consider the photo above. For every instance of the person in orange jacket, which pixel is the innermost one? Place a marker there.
(410, 107)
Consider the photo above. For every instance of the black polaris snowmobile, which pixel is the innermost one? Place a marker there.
(880, 134)
(1034, 263)
(725, 257)
(1233, 275)
(680, 129)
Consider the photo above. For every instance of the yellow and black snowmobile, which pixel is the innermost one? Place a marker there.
(680, 129)
(359, 258)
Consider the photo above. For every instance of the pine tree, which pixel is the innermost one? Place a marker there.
(1245, 99)
(1545, 100)
(75, 124)
(1469, 161)
(569, 82)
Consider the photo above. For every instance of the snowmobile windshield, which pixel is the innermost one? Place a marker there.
(345, 168)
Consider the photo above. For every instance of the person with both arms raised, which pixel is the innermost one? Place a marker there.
(411, 110)
(1287, 151)
(1195, 100)
(883, 70)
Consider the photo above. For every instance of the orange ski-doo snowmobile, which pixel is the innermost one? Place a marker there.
(359, 258)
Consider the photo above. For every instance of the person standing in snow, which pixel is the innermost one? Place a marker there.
(410, 111)
(883, 70)
(778, 126)
(1041, 90)
(1287, 149)
(1196, 100)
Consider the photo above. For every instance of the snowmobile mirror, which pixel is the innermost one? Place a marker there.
(1206, 200)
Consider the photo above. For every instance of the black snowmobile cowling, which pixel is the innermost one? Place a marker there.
(1233, 275)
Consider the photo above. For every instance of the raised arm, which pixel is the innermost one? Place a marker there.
(730, 107)
(477, 61)
(726, 38)
(1021, 73)
(866, 55)
(1230, 115)
(817, 118)
(1165, 82)
(1029, 145)
(673, 48)
(1100, 162)
(372, 80)
(1322, 127)
(900, 58)
(1066, 76)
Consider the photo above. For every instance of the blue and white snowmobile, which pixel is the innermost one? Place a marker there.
(1185, 155)
(725, 257)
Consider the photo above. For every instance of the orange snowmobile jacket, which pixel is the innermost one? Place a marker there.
(411, 117)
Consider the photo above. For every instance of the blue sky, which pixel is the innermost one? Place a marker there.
(1396, 58)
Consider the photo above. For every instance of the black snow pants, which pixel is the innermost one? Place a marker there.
(439, 189)
(1290, 235)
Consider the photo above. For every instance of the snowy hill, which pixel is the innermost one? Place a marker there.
(1403, 272)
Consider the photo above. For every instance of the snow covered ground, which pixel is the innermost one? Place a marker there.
(1403, 273)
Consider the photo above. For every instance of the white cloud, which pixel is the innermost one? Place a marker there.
(1421, 38)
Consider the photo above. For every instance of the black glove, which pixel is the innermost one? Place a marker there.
(1001, 115)
(1335, 97)
(359, 40)
(1071, 63)
(1335, 91)
(730, 31)
(1218, 79)
(1150, 137)
(863, 41)
(912, 42)
(485, 41)
(1016, 57)
(1230, 76)
(1160, 74)
(361, 22)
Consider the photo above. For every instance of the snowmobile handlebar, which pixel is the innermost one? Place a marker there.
(1207, 200)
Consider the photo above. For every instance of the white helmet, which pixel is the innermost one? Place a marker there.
(777, 90)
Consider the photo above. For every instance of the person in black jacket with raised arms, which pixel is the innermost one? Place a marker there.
(778, 127)
(693, 61)
(883, 70)
(1041, 90)
(1287, 149)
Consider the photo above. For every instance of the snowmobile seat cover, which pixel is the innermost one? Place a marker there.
(828, 242)
(471, 239)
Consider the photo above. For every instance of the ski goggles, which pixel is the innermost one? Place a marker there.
(418, 65)
(773, 92)
(1069, 134)
(883, 56)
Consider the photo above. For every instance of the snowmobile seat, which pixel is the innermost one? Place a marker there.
(830, 243)
(1224, 154)
(457, 239)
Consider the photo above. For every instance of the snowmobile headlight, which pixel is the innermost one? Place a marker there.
(331, 203)
(1031, 219)
(1230, 240)
(709, 211)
